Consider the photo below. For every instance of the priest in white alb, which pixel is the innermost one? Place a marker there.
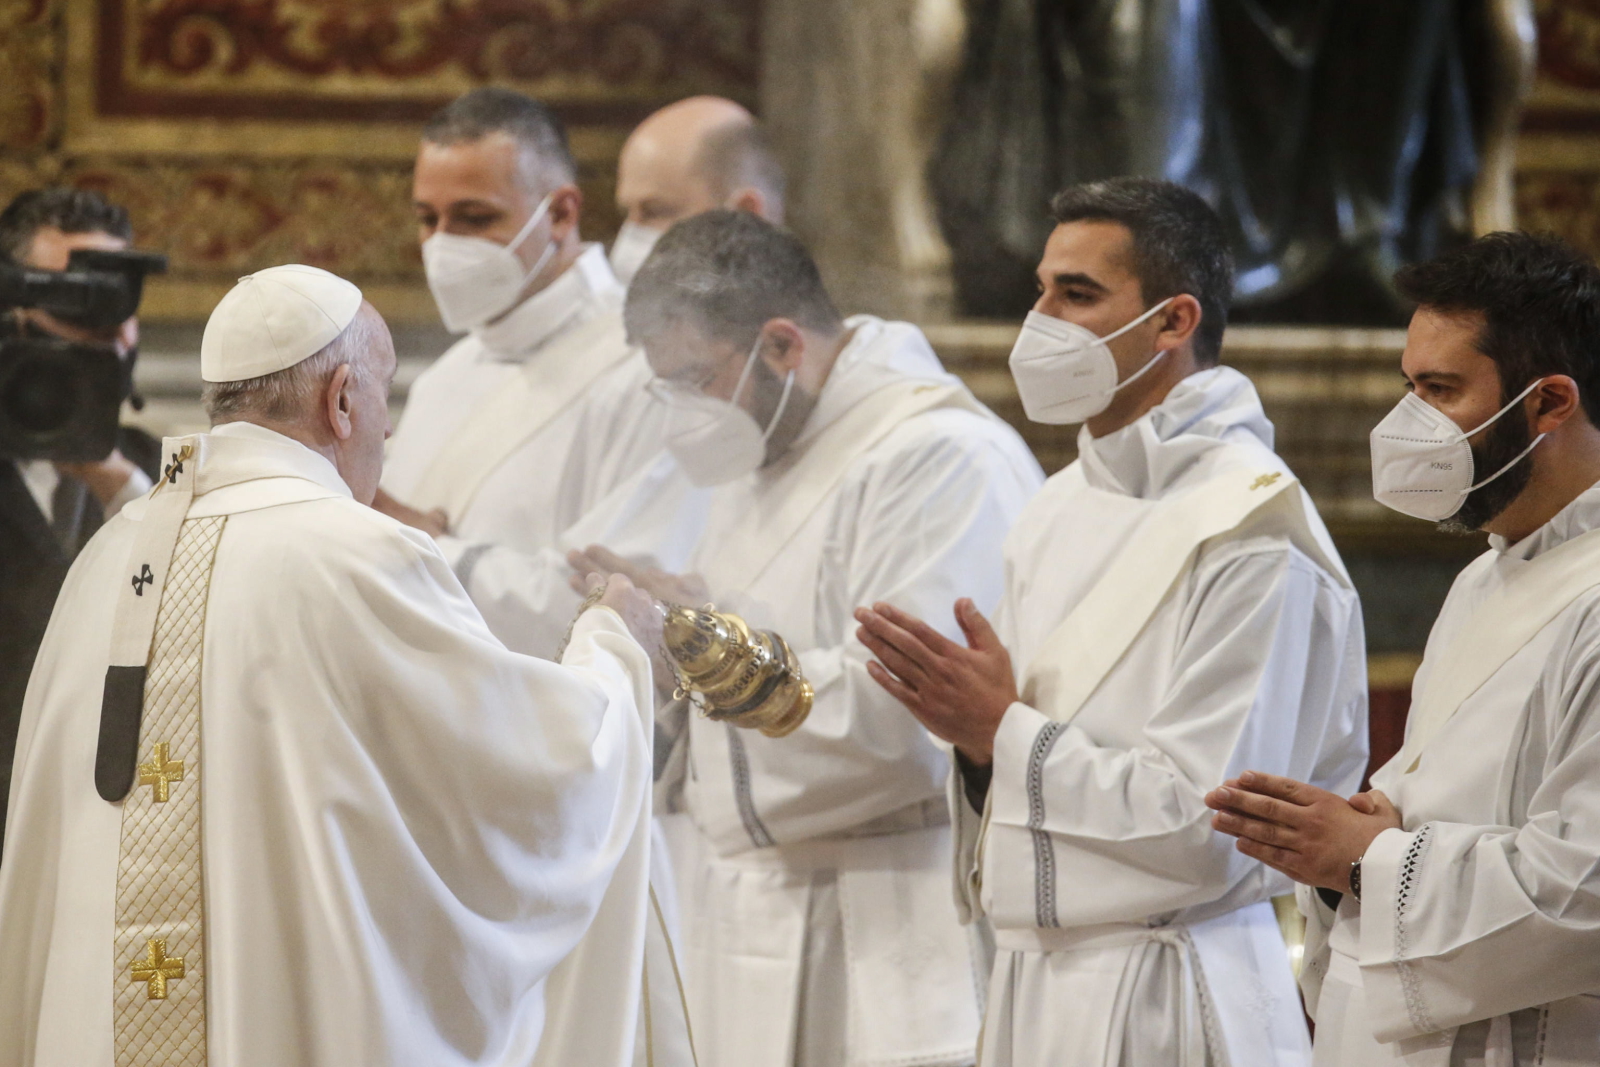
(1174, 612)
(525, 428)
(1454, 910)
(280, 797)
(848, 466)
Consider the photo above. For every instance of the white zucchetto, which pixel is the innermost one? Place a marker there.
(274, 319)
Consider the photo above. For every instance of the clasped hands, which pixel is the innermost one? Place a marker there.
(961, 694)
(1309, 834)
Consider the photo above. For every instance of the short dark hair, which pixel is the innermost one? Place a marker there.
(68, 210)
(1540, 302)
(1179, 245)
(740, 154)
(474, 115)
(727, 273)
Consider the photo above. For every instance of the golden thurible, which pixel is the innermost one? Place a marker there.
(750, 678)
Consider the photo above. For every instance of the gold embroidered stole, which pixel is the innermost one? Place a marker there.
(159, 1004)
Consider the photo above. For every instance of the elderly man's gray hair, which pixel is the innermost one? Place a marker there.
(288, 395)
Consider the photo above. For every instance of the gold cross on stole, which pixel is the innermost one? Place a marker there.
(160, 773)
(156, 968)
(1265, 480)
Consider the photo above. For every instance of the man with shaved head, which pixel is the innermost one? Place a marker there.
(692, 156)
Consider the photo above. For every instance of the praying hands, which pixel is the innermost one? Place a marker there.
(1309, 834)
(959, 694)
(686, 589)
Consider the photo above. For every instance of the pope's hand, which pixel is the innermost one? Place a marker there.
(635, 606)
(433, 523)
(1310, 834)
(688, 589)
(959, 694)
(643, 617)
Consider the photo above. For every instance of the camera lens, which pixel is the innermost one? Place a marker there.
(38, 397)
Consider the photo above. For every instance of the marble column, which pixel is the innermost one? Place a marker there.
(852, 94)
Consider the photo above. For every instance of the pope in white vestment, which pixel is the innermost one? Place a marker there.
(1128, 933)
(534, 435)
(817, 915)
(359, 830)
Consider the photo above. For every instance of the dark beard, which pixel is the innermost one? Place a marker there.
(1501, 444)
(766, 393)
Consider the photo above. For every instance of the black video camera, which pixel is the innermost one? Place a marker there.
(60, 399)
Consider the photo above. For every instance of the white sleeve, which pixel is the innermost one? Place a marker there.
(524, 596)
(1462, 922)
(654, 518)
(1262, 679)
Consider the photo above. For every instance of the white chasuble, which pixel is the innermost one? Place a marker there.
(393, 830)
(536, 435)
(816, 908)
(1477, 938)
(1177, 614)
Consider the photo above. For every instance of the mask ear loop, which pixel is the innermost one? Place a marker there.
(1508, 466)
(744, 375)
(1520, 455)
(1114, 334)
(522, 235)
(1136, 375)
(783, 402)
(1514, 402)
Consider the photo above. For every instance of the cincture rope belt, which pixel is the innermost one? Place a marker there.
(158, 962)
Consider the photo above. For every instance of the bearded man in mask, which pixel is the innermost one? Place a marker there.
(1453, 912)
(526, 427)
(1174, 612)
(849, 467)
(693, 155)
(48, 511)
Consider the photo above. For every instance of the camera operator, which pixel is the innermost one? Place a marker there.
(48, 511)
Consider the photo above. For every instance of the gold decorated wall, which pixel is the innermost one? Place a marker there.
(247, 132)
(1558, 159)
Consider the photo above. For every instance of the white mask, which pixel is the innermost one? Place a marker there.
(631, 248)
(474, 279)
(1421, 461)
(716, 441)
(1064, 373)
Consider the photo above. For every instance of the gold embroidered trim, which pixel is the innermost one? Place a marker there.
(158, 987)
(161, 773)
(156, 968)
